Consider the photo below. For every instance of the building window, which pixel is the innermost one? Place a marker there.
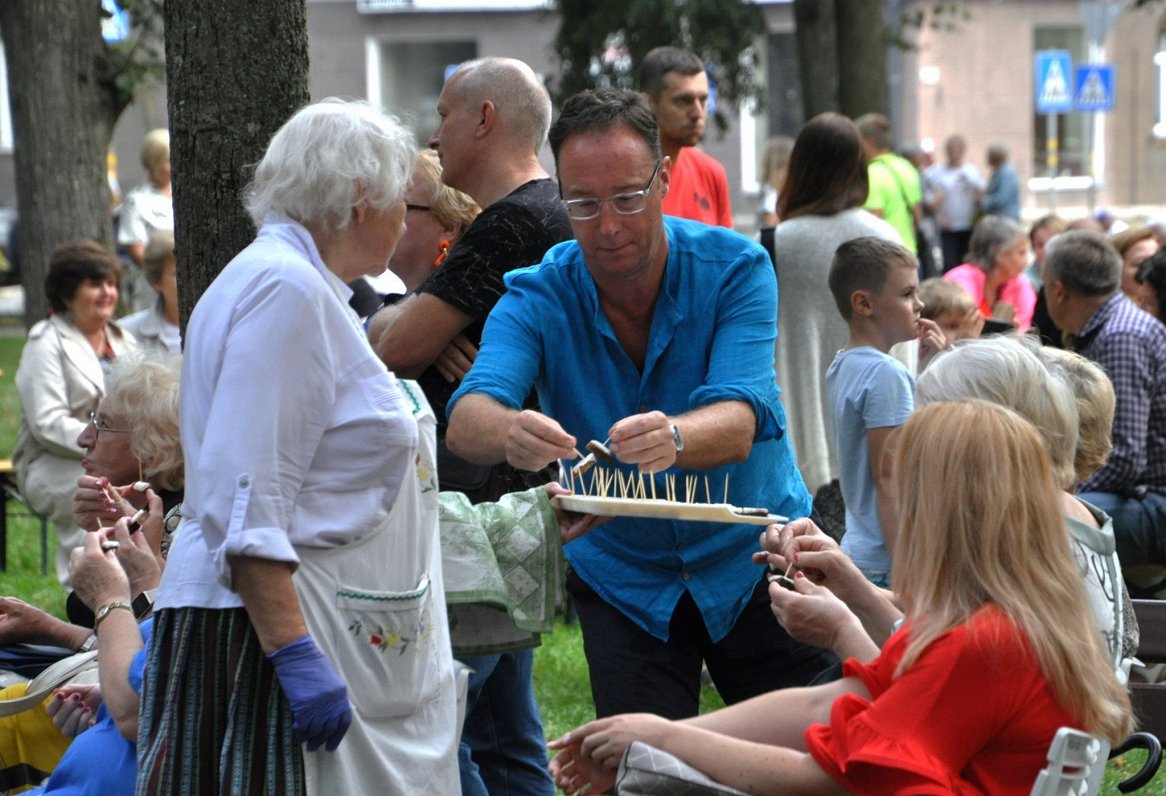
(1074, 131)
(1160, 68)
(406, 78)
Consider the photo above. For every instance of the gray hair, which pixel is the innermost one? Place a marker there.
(1003, 371)
(992, 235)
(329, 158)
(1085, 262)
(518, 95)
(142, 389)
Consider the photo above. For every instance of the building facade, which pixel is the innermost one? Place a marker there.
(974, 77)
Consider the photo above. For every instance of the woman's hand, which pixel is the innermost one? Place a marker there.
(21, 623)
(97, 576)
(589, 756)
(814, 615)
(572, 525)
(777, 546)
(73, 708)
(97, 504)
(140, 553)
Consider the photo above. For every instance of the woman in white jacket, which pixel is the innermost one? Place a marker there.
(61, 379)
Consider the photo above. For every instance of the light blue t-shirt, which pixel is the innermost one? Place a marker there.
(711, 340)
(865, 389)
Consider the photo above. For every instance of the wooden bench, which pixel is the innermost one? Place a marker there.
(1150, 698)
(10, 492)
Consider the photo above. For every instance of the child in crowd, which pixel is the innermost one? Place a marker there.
(952, 309)
(869, 394)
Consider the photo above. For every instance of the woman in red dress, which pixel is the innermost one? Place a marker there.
(998, 649)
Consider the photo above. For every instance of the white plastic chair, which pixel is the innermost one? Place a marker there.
(1072, 759)
(1076, 764)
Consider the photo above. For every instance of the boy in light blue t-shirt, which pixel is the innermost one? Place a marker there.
(869, 394)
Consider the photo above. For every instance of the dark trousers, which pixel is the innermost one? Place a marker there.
(1139, 525)
(955, 244)
(633, 671)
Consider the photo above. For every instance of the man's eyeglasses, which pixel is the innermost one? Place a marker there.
(100, 427)
(626, 204)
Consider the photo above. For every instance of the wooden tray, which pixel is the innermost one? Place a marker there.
(663, 510)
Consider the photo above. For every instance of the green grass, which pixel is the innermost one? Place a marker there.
(23, 578)
(562, 686)
(560, 669)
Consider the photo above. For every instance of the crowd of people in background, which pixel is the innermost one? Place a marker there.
(320, 559)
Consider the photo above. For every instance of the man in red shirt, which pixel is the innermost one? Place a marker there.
(676, 86)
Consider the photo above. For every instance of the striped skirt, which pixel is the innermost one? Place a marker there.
(213, 718)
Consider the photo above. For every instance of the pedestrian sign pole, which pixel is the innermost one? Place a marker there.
(1053, 70)
(1093, 93)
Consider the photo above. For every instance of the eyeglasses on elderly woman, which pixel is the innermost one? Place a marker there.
(100, 426)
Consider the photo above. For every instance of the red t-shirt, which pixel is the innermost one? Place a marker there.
(698, 189)
(973, 715)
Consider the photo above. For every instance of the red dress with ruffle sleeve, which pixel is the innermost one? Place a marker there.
(973, 715)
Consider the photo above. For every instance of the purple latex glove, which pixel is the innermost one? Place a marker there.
(315, 691)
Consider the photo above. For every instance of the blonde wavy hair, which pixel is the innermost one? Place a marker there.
(980, 522)
(1096, 402)
(450, 206)
(142, 390)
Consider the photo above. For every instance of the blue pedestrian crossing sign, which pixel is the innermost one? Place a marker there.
(1054, 71)
(1093, 88)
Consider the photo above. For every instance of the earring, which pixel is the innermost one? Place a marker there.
(442, 252)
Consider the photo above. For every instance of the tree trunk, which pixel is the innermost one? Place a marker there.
(817, 55)
(63, 112)
(235, 72)
(862, 57)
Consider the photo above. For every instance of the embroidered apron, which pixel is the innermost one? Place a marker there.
(376, 608)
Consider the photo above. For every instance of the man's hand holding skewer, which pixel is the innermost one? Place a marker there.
(534, 440)
(646, 440)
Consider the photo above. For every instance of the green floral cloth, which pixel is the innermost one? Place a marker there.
(504, 569)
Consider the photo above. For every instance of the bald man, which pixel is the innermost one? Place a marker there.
(495, 114)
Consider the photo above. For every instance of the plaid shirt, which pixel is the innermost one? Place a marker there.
(1130, 346)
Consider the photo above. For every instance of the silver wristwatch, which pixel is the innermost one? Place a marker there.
(677, 440)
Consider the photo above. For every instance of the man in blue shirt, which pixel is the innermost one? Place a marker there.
(658, 335)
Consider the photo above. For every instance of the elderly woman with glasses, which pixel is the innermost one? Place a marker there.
(300, 615)
(132, 437)
(61, 378)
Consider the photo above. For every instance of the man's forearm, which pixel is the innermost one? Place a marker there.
(477, 429)
(715, 435)
(415, 333)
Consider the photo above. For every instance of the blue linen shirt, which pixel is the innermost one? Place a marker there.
(711, 340)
